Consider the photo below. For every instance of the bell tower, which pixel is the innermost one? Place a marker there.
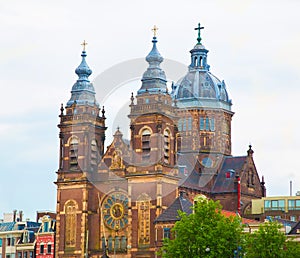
(153, 175)
(82, 134)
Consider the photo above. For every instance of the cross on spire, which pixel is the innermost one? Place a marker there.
(199, 28)
(83, 44)
(155, 29)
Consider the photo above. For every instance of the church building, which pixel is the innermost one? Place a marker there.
(122, 202)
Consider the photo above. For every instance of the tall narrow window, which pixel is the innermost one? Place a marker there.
(94, 160)
(180, 122)
(117, 243)
(73, 153)
(49, 249)
(201, 123)
(110, 244)
(143, 205)
(42, 249)
(166, 146)
(167, 233)
(189, 121)
(123, 243)
(207, 124)
(146, 145)
(70, 229)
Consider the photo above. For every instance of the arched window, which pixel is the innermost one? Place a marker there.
(143, 205)
(167, 146)
(73, 153)
(146, 133)
(70, 228)
(94, 160)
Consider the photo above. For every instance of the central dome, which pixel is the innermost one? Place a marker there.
(199, 87)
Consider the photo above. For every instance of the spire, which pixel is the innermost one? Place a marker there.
(154, 79)
(199, 54)
(83, 92)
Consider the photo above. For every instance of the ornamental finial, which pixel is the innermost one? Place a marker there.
(155, 29)
(199, 28)
(83, 44)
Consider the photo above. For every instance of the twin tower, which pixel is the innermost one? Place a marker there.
(108, 202)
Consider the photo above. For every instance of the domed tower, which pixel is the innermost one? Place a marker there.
(82, 134)
(153, 175)
(204, 108)
(152, 118)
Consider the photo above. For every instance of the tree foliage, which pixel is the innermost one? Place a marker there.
(268, 242)
(208, 233)
(205, 232)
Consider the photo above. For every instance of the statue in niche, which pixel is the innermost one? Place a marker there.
(117, 162)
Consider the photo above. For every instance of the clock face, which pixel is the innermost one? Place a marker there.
(115, 211)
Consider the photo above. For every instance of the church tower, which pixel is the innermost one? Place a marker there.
(204, 108)
(153, 176)
(82, 134)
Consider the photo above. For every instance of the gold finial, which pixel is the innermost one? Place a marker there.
(84, 43)
(155, 29)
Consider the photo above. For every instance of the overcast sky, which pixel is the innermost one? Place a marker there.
(253, 46)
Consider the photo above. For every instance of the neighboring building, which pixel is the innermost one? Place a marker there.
(179, 142)
(45, 238)
(280, 207)
(17, 239)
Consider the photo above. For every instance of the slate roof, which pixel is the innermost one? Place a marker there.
(10, 226)
(233, 164)
(171, 213)
(7, 226)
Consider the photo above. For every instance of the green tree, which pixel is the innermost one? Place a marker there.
(268, 242)
(204, 233)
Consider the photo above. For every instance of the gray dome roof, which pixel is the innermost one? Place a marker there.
(199, 88)
(200, 84)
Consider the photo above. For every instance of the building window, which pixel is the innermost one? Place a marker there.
(294, 204)
(46, 226)
(25, 254)
(73, 153)
(19, 254)
(49, 249)
(143, 205)
(166, 146)
(123, 243)
(180, 124)
(31, 254)
(189, 123)
(103, 241)
(146, 145)
(0, 242)
(293, 218)
(110, 244)
(94, 149)
(42, 249)
(70, 229)
(207, 124)
(167, 233)
(274, 205)
(117, 243)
